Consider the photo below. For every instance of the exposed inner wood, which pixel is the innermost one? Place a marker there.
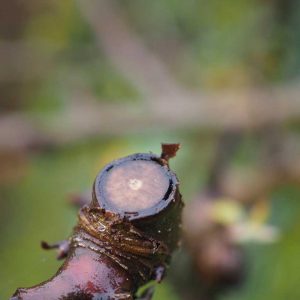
(135, 185)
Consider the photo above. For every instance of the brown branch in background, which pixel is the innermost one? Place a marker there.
(166, 103)
(167, 98)
(214, 261)
(124, 237)
(126, 50)
(86, 117)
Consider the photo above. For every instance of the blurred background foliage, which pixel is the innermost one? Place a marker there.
(71, 101)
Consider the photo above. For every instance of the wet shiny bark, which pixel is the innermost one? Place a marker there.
(113, 251)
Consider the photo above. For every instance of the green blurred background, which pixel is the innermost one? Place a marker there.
(85, 82)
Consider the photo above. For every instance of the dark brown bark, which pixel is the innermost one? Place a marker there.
(114, 250)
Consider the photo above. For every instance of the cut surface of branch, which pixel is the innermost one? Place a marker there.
(135, 185)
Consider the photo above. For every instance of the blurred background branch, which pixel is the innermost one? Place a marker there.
(84, 82)
(247, 108)
(84, 117)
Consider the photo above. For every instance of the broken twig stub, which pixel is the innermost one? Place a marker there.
(124, 237)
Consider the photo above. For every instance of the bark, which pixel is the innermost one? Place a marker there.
(115, 250)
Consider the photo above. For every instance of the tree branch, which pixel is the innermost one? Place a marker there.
(81, 119)
(124, 238)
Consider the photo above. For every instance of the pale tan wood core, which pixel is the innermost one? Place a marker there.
(135, 185)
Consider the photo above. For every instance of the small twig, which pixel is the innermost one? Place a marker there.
(62, 247)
